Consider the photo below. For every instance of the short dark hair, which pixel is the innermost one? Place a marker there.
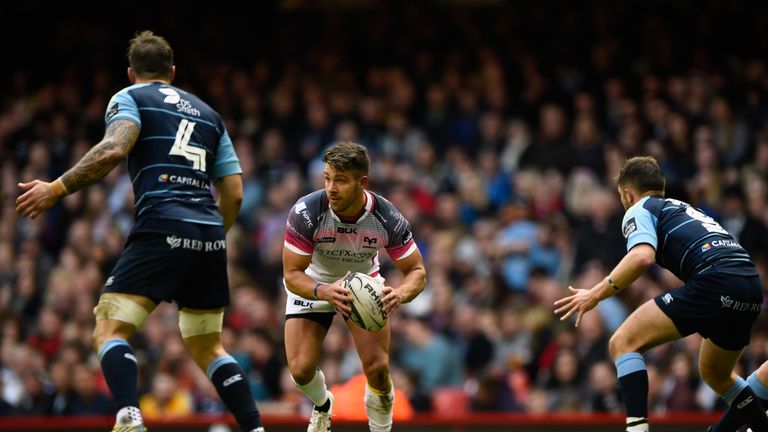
(644, 173)
(150, 55)
(348, 156)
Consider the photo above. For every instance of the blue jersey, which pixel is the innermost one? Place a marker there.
(182, 147)
(687, 241)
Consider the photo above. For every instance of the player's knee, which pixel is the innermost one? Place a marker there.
(302, 373)
(107, 330)
(617, 345)
(376, 369)
(715, 376)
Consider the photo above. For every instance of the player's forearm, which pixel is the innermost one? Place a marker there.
(300, 284)
(103, 157)
(229, 208)
(413, 283)
(96, 164)
(625, 272)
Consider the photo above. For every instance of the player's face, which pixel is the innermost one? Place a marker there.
(345, 190)
(625, 201)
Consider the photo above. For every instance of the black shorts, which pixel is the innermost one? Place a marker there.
(169, 260)
(720, 307)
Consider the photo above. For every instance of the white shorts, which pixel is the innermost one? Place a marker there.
(296, 305)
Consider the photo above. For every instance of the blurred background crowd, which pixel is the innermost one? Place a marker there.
(497, 129)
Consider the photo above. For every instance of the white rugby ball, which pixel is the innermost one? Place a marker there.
(366, 293)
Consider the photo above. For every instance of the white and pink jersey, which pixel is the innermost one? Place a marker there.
(337, 246)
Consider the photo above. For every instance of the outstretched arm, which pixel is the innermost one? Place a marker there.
(626, 271)
(118, 141)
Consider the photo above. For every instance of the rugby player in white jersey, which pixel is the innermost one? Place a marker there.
(331, 232)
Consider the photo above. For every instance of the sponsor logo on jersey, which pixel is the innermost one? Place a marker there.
(173, 241)
(302, 303)
(113, 109)
(110, 281)
(326, 240)
(667, 298)
(705, 247)
(629, 227)
(370, 240)
(231, 380)
(346, 230)
(195, 245)
(727, 303)
(182, 105)
(182, 180)
(725, 243)
(301, 209)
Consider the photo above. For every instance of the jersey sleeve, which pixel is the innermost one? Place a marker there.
(299, 230)
(401, 243)
(226, 162)
(639, 226)
(122, 107)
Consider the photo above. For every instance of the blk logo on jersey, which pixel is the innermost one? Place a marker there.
(346, 230)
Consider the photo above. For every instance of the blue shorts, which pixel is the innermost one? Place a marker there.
(169, 260)
(720, 307)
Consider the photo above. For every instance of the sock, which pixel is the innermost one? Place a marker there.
(633, 380)
(121, 372)
(316, 391)
(746, 405)
(233, 388)
(379, 407)
(731, 421)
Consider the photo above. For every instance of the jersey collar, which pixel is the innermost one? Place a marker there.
(366, 209)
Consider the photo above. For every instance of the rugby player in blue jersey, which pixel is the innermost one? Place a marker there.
(720, 299)
(175, 146)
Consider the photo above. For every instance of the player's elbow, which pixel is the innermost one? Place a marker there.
(644, 256)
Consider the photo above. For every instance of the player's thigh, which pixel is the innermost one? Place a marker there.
(304, 343)
(647, 327)
(118, 315)
(372, 347)
(716, 365)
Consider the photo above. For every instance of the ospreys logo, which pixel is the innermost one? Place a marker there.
(629, 227)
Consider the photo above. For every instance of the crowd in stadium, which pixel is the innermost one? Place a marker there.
(497, 132)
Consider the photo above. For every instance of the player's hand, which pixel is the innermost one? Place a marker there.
(391, 300)
(580, 302)
(336, 295)
(38, 197)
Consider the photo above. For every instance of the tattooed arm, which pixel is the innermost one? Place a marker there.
(118, 141)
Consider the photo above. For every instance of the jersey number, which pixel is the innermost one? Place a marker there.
(181, 146)
(707, 222)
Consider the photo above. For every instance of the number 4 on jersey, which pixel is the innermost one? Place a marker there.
(181, 146)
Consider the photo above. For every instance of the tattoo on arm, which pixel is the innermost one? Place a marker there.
(118, 141)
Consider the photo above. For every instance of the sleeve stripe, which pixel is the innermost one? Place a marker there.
(296, 249)
(408, 249)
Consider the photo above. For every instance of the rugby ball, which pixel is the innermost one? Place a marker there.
(366, 293)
